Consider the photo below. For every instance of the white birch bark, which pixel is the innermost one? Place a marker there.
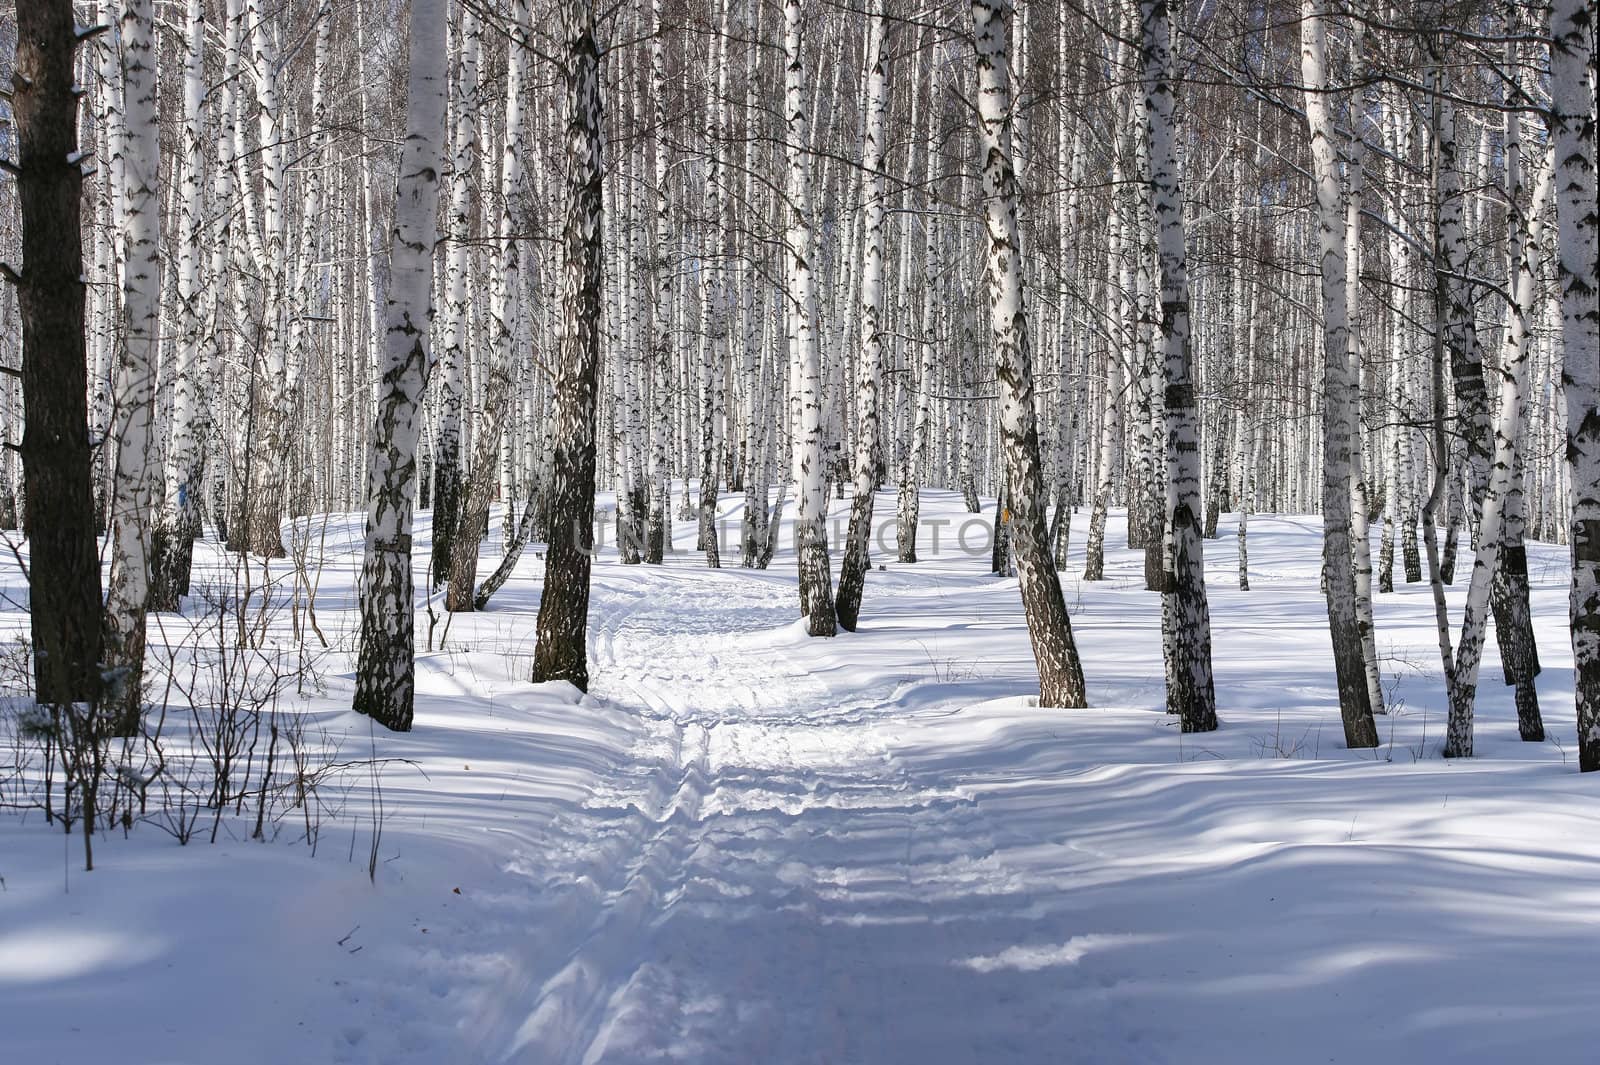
(658, 531)
(447, 474)
(1109, 456)
(133, 385)
(1354, 703)
(917, 455)
(307, 269)
(496, 393)
(713, 306)
(1509, 595)
(868, 463)
(1572, 60)
(385, 672)
(806, 398)
(561, 646)
(1509, 422)
(1060, 673)
(179, 525)
(1192, 696)
(268, 421)
(111, 251)
(1360, 538)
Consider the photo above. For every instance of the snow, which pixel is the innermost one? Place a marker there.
(745, 845)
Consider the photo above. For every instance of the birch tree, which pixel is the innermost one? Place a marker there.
(658, 524)
(1572, 121)
(1461, 675)
(560, 652)
(868, 463)
(805, 386)
(1192, 696)
(1049, 629)
(505, 294)
(266, 225)
(179, 525)
(713, 308)
(909, 501)
(385, 679)
(457, 309)
(133, 384)
(1355, 706)
(1525, 224)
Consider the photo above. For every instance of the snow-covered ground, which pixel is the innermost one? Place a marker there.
(744, 846)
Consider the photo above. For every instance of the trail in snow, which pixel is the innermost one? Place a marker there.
(787, 824)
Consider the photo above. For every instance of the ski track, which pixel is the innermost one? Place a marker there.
(758, 798)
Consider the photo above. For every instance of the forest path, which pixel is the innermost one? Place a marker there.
(791, 882)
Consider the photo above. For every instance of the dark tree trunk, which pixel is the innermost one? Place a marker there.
(57, 458)
(171, 560)
(446, 514)
(1513, 628)
(1408, 545)
(508, 562)
(1000, 543)
(476, 493)
(1452, 532)
(853, 567)
(908, 510)
(1061, 525)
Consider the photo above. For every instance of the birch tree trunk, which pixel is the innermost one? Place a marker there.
(495, 402)
(868, 461)
(561, 648)
(1360, 537)
(909, 502)
(111, 249)
(457, 308)
(133, 385)
(304, 295)
(1572, 59)
(714, 315)
(1461, 334)
(659, 522)
(57, 456)
(1509, 590)
(1509, 595)
(1355, 706)
(179, 525)
(1192, 697)
(805, 395)
(385, 680)
(1061, 681)
(1110, 457)
(1508, 431)
(267, 447)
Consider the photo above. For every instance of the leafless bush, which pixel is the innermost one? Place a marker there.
(227, 746)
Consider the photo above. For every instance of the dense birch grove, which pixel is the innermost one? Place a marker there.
(270, 258)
